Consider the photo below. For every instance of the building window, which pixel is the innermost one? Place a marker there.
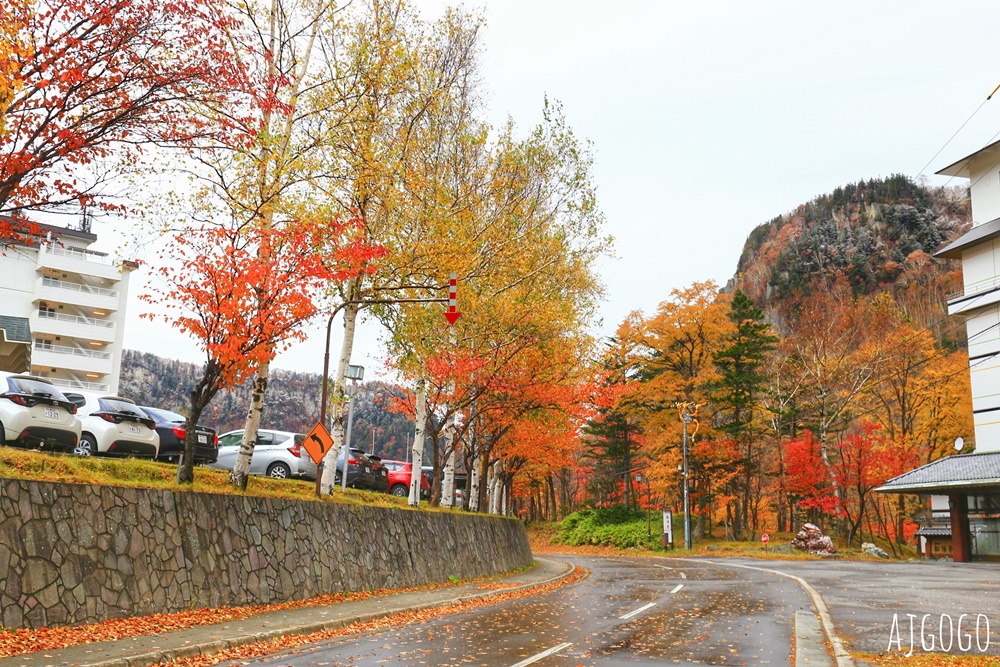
(45, 310)
(43, 344)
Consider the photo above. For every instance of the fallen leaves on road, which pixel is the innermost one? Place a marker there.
(292, 641)
(21, 641)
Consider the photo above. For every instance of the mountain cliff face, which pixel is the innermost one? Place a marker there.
(877, 235)
(291, 404)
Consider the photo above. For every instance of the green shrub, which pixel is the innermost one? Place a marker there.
(615, 526)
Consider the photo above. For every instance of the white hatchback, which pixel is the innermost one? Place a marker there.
(114, 426)
(34, 413)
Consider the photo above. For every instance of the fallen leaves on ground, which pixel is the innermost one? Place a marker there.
(926, 660)
(21, 641)
(292, 641)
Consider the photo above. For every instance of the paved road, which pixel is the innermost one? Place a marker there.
(628, 611)
(865, 597)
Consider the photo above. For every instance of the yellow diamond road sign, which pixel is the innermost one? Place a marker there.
(318, 443)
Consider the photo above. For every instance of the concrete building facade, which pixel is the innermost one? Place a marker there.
(70, 299)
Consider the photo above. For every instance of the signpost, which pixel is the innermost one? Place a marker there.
(765, 539)
(317, 444)
(668, 529)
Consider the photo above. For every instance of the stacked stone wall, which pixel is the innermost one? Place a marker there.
(73, 554)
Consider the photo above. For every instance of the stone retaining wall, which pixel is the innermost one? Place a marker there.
(74, 554)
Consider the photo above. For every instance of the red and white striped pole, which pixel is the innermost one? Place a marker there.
(452, 315)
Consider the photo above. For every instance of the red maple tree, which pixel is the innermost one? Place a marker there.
(98, 80)
(243, 294)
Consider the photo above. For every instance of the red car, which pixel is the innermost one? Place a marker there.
(399, 479)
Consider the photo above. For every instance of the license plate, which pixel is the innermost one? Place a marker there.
(134, 428)
(51, 413)
(368, 470)
(202, 438)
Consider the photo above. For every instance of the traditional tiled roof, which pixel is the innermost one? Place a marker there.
(949, 475)
(15, 329)
(934, 531)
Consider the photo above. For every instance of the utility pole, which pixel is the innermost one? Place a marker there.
(687, 413)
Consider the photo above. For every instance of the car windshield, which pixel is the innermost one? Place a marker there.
(34, 388)
(165, 415)
(119, 407)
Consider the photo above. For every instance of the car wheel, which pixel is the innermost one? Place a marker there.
(400, 490)
(87, 446)
(279, 470)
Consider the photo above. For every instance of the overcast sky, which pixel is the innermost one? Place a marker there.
(708, 119)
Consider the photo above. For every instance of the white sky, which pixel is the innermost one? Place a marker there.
(708, 119)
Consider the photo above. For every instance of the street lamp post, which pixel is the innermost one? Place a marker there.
(687, 413)
(355, 374)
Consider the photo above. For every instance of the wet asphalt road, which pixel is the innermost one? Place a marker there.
(628, 611)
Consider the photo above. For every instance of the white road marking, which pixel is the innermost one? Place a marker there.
(683, 576)
(637, 611)
(544, 654)
(663, 567)
(679, 586)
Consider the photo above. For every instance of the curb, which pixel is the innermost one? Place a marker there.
(209, 648)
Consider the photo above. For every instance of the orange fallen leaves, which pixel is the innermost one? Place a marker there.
(288, 642)
(927, 660)
(21, 641)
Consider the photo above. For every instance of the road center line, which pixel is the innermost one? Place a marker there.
(544, 654)
(679, 586)
(633, 613)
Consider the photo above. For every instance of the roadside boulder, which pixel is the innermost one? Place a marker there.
(812, 539)
(873, 550)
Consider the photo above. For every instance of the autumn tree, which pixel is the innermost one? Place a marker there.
(242, 305)
(86, 84)
(388, 97)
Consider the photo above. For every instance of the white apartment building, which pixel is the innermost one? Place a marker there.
(62, 309)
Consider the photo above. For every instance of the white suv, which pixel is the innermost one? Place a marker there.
(34, 413)
(114, 426)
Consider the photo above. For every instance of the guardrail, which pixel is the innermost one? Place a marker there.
(85, 255)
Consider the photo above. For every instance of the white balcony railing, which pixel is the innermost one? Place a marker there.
(77, 319)
(77, 384)
(85, 255)
(74, 351)
(87, 289)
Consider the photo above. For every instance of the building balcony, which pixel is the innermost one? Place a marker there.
(75, 359)
(77, 260)
(85, 296)
(77, 384)
(73, 326)
(980, 295)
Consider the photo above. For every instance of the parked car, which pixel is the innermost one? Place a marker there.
(35, 413)
(277, 454)
(460, 478)
(170, 426)
(381, 473)
(113, 426)
(400, 473)
(362, 472)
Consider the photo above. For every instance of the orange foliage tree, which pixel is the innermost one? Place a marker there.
(243, 295)
(94, 81)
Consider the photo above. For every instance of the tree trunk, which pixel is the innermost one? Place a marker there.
(338, 397)
(473, 499)
(241, 471)
(417, 455)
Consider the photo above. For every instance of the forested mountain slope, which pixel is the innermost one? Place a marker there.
(876, 235)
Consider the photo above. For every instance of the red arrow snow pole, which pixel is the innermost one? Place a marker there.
(452, 315)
